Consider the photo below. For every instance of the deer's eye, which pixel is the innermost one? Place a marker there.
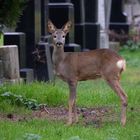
(63, 36)
(54, 36)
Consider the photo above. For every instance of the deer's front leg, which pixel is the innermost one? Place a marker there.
(72, 101)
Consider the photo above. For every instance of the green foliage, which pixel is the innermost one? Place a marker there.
(29, 136)
(10, 11)
(133, 42)
(53, 95)
(19, 100)
(1, 38)
(132, 58)
(132, 45)
(74, 138)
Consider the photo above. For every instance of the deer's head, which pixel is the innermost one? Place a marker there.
(59, 35)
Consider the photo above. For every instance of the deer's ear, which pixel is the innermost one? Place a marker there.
(66, 28)
(51, 27)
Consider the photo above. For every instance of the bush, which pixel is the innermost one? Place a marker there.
(10, 11)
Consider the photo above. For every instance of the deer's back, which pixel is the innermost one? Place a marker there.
(92, 64)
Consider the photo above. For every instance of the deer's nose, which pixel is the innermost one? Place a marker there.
(59, 43)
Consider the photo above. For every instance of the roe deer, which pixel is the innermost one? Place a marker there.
(79, 66)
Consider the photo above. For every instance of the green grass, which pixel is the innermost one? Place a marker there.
(58, 131)
(89, 94)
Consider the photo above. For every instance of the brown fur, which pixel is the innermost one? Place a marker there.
(79, 66)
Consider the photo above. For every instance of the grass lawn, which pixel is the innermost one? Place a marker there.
(90, 94)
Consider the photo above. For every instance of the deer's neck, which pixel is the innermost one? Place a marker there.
(58, 56)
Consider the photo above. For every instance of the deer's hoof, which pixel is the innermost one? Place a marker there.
(123, 121)
(76, 120)
(69, 122)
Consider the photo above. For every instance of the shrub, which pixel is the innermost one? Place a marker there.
(10, 11)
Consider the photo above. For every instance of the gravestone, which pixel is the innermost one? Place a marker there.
(10, 63)
(86, 26)
(118, 20)
(30, 24)
(19, 39)
(44, 70)
(60, 0)
(103, 20)
(44, 17)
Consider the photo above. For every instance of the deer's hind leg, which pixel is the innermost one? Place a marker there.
(115, 85)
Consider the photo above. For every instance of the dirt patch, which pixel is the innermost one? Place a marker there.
(87, 116)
